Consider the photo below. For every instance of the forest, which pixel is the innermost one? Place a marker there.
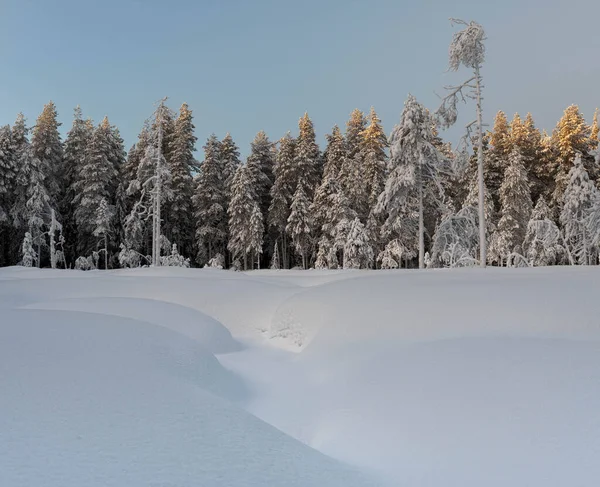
(512, 195)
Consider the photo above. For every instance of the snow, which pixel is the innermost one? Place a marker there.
(180, 377)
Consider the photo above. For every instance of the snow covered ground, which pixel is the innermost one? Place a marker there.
(183, 377)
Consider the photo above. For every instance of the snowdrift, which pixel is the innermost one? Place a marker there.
(183, 377)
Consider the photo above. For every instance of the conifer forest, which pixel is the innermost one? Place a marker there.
(507, 195)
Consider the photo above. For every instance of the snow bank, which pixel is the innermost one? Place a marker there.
(433, 379)
(97, 400)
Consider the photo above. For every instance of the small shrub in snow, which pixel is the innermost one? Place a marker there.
(217, 262)
(174, 259)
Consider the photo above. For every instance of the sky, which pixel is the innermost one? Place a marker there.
(244, 66)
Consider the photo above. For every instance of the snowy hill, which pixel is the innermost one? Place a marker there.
(181, 377)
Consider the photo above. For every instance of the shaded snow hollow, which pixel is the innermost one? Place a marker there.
(182, 377)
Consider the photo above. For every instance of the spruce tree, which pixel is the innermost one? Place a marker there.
(245, 218)
(579, 199)
(500, 147)
(8, 176)
(76, 143)
(94, 183)
(415, 164)
(299, 224)
(594, 130)
(282, 193)
(543, 242)
(570, 137)
(358, 253)
(350, 171)
(307, 158)
(182, 162)
(261, 162)
(373, 164)
(516, 206)
(47, 149)
(230, 161)
(210, 204)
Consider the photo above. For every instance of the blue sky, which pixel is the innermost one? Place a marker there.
(245, 66)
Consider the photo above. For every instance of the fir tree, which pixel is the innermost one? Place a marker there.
(299, 224)
(516, 207)
(358, 253)
(571, 136)
(260, 165)
(230, 161)
(94, 184)
(414, 163)
(245, 219)
(594, 130)
(210, 203)
(8, 177)
(497, 158)
(179, 210)
(373, 164)
(350, 170)
(579, 199)
(543, 243)
(307, 158)
(47, 149)
(76, 143)
(282, 192)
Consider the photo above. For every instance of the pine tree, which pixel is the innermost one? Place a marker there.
(516, 207)
(500, 148)
(579, 199)
(8, 177)
(76, 143)
(180, 210)
(571, 136)
(594, 130)
(414, 163)
(94, 183)
(282, 192)
(8, 172)
(47, 148)
(307, 158)
(230, 160)
(261, 162)
(373, 164)
(210, 203)
(350, 170)
(245, 219)
(336, 154)
(299, 224)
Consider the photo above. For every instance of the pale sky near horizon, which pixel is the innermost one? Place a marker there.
(245, 66)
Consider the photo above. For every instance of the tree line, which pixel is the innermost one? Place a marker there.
(366, 201)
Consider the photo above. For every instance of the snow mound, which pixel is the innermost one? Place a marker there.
(98, 400)
(189, 322)
(458, 378)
